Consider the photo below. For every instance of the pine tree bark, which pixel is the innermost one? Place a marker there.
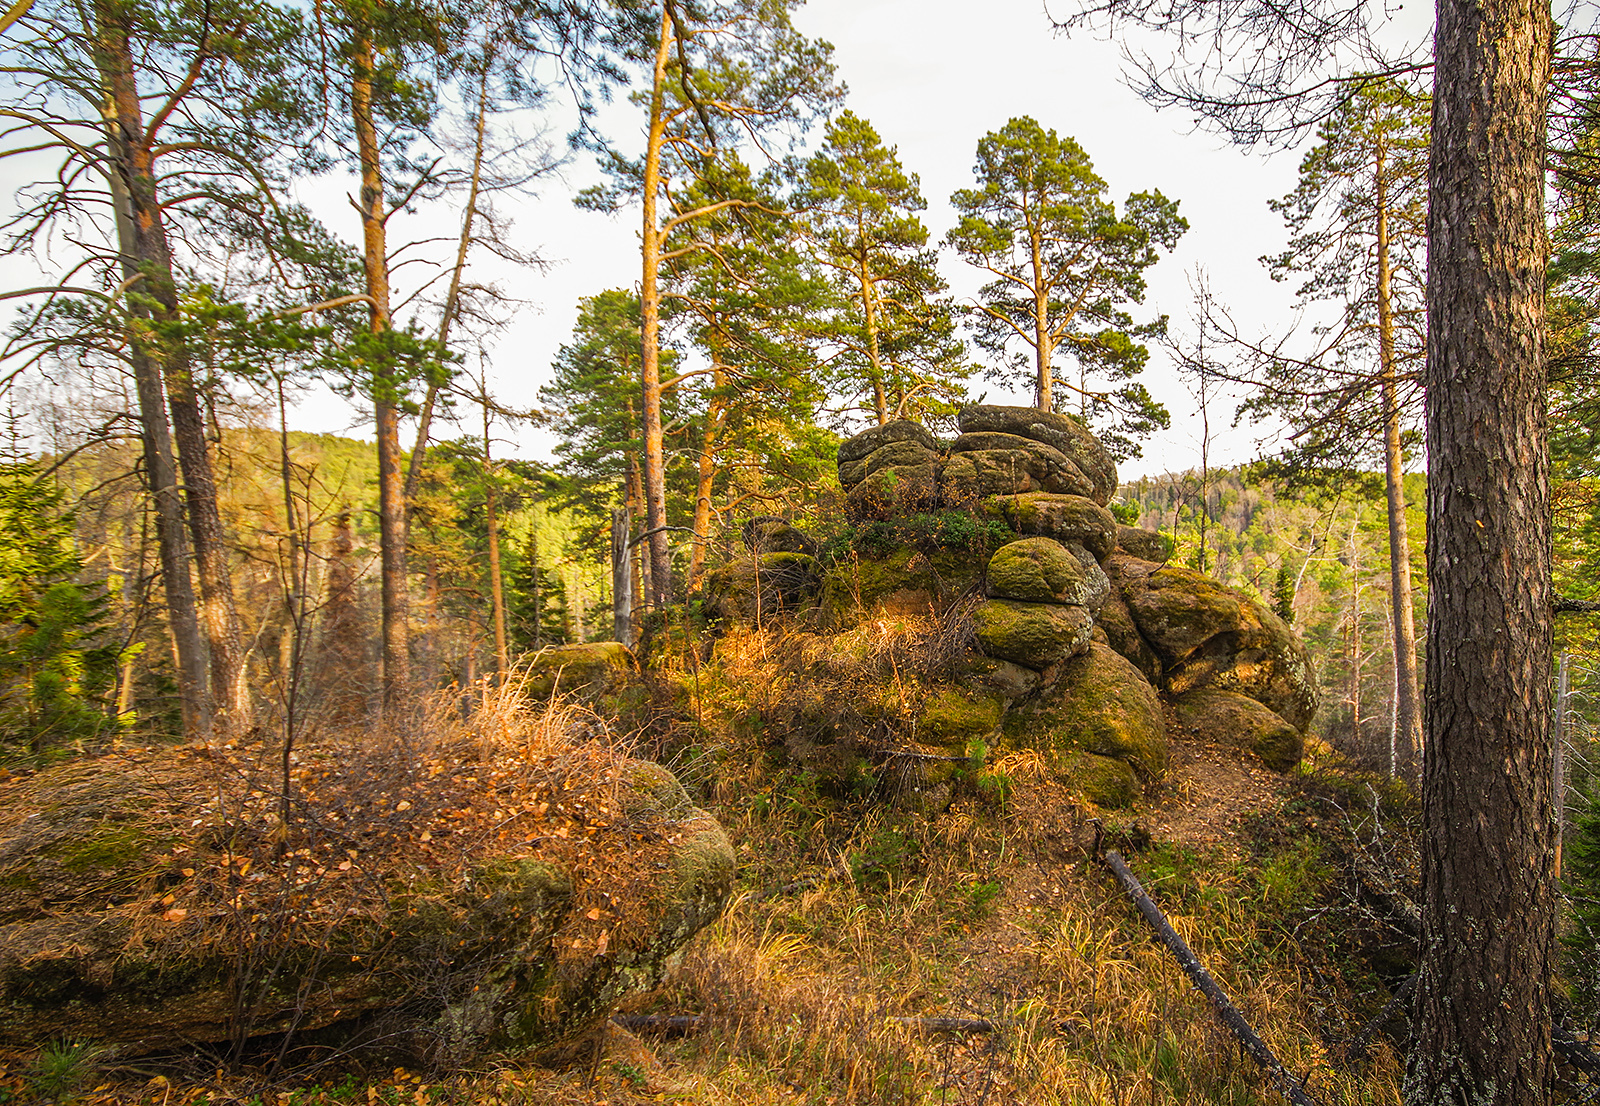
(143, 240)
(658, 587)
(386, 416)
(1482, 1008)
(1408, 701)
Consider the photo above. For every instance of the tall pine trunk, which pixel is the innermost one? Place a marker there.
(1407, 701)
(1481, 1023)
(386, 416)
(659, 584)
(163, 366)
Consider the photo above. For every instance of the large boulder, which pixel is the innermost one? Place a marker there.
(1046, 468)
(770, 534)
(1210, 635)
(894, 493)
(1036, 635)
(1101, 704)
(757, 587)
(1066, 518)
(907, 582)
(587, 670)
(898, 455)
(1231, 720)
(1062, 433)
(970, 477)
(1123, 636)
(1147, 545)
(1038, 570)
(876, 437)
(140, 909)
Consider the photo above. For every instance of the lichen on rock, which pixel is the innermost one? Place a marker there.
(1235, 721)
(1037, 635)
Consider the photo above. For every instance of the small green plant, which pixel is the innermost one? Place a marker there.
(62, 1068)
(981, 896)
(630, 1072)
(1125, 513)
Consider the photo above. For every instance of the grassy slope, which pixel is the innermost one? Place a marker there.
(851, 915)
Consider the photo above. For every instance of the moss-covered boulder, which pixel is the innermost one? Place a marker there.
(587, 670)
(894, 493)
(1007, 678)
(1147, 545)
(1037, 570)
(907, 582)
(155, 903)
(898, 455)
(1210, 635)
(1048, 469)
(1062, 433)
(1066, 518)
(1234, 721)
(770, 534)
(749, 588)
(876, 437)
(1104, 781)
(1101, 704)
(1123, 636)
(1037, 635)
(954, 717)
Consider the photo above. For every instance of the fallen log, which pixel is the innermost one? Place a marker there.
(659, 1025)
(948, 1025)
(1287, 1084)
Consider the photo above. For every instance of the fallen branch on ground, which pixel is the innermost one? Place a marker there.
(1287, 1084)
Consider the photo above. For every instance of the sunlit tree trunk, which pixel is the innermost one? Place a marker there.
(386, 416)
(658, 588)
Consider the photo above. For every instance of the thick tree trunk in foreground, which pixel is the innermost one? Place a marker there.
(1482, 1013)
(143, 241)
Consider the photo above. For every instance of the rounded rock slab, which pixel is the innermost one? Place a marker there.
(1038, 570)
(1061, 432)
(1236, 721)
(1036, 635)
(876, 437)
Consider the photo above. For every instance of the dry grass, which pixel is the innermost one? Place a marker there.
(849, 917)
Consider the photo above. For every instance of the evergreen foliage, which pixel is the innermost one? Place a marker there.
(57, 664)
(1066, 266)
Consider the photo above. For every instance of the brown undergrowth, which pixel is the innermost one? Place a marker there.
(853, 921)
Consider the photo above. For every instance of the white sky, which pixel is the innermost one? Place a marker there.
(932, 76)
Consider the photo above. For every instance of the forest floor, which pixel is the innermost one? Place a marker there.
(993, 911)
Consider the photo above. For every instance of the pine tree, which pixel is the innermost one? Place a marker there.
(1065, 265)
(57, 664)
(891, 342)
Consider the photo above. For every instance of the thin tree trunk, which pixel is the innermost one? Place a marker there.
(716, 416)
(659, 588)
(386, 416)
(452, 298)
(1408, 702)
(869, 315)
(497, 593)
(124, 135)
(1041, 327)
(621, 576)
(1482, 1010)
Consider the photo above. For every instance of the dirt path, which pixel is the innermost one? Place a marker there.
(1209, 791)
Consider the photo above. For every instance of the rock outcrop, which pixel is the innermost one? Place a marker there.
(1079, 627)
(139, 912)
